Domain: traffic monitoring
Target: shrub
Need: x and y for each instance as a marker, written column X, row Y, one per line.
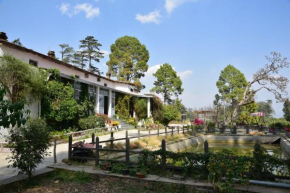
column 91, row 122
column 31, row 144
column 140, row 108
column 115, row 123
column 170, row 113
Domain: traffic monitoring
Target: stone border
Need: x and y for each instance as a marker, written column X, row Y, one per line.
column 151, row 179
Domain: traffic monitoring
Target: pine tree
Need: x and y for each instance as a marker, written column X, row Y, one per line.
column 66, row 53
column 91, row 51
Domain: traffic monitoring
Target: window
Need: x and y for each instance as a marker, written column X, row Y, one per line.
column 92, row 92
column 99, row 79
column 32, row 62
column 77, row 87
column 105, row 84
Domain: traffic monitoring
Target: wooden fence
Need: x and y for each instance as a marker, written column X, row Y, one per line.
column 95, row 144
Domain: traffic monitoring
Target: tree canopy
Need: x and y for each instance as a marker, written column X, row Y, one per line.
column 167, row 83
column 128, row 60
column 266, row 107
column 21, row 79
column 91, row 51
column 66, row 53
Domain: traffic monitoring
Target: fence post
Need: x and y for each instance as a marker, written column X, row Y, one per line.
column 171, row 131
column 97, row 152
column 158, row 131
column 178, row 129
column 182, row 129
column 93, row 138
column 126, row 135
column 54, row 150
column 112, row 141
column 163, row 161
column 69, row 147
column 127, row 150
column 139, row 133
column 165, row 130
column 149, row 132
column 206, row 147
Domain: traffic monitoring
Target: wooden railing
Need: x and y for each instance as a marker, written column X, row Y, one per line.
column 95, row 144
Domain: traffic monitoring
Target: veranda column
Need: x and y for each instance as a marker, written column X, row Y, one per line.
column 110, row 104
column 97, row 107
column 148, row 108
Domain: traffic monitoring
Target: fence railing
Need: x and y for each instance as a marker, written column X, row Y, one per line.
column 95, row 144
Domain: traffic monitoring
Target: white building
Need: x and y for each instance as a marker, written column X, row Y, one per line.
column 102, row 88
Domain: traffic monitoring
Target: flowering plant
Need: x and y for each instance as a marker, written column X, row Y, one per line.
column 198, row 122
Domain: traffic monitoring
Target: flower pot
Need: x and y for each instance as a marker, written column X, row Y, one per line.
column 140, row 175
column 125, row 171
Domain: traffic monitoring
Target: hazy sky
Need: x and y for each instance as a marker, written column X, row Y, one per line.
column 198, row 38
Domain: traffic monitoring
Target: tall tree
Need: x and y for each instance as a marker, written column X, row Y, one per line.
column 128, row 60
column 218, row 107
column 167, row 83
column 267, row 78
column 231, row 85
column 286, row 110
column 266, row 107
column 66, row 53
column 91, row 51
column 17, row 42
column 79, row 59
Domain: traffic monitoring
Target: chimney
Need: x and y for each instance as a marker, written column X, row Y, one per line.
column 108, row 74
column 51, row 54
column 3, row 36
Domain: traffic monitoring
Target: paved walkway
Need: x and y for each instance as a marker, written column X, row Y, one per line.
column 62, row 152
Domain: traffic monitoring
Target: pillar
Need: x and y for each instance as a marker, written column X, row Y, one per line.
column 97, row 107
column 110, row 104
column 148, row 108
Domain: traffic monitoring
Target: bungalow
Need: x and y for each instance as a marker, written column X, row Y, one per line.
column 103, row 89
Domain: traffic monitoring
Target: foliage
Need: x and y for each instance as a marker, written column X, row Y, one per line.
column 210, row 124
column 140, row 108
column 286, row 110
column 224, row 168
column 245, row 114
column 59, row 106
column 85, row 108
column 231, row 86
column 157, row 109
column 91, row 122
column 79, row 59
column 266, row 107
column 30, row 145
column 122, row 106
column 17, row 42
column 178, row 103
column 198, row 122
column 91, row 51
column 128, row 60
column 167, row 83
column 66, row 53
column 171, row 113
column 266, row 78
column 21, row 78
column 218, row 107
column 11, row 113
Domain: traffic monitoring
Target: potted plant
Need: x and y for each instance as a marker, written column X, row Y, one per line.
column 141, row 174
column 211, row 127
column 105, row 165
column 198, row 124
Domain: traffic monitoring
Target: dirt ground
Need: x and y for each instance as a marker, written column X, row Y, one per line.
column 70, row 182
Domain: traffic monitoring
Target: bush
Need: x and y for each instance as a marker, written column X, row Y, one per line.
column 140, row 108
column 91, row 122
column 115, row 123
column 30, row 145
column 170, row 113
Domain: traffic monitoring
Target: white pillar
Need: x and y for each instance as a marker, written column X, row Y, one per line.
column 97, row 107
column 110, row 104
column 148, row 108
